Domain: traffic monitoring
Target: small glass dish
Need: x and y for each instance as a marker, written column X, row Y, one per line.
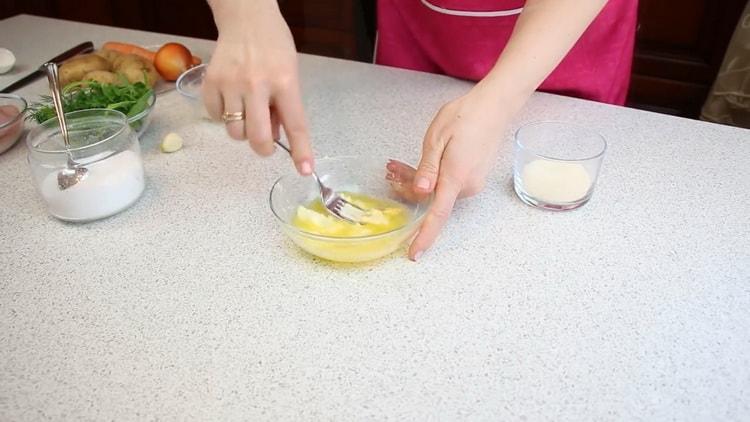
column 104, row 144
column 556, row 164
column 12, row 110
column 190, row 81
column 363, row 175
column 189, row 86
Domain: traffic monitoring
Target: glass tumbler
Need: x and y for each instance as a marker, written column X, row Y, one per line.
column 556, row 164
column 102, row 142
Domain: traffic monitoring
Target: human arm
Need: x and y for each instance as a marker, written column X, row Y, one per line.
column 461, row 144
column 254, row 69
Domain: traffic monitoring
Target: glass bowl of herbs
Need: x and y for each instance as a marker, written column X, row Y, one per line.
column 134, row 100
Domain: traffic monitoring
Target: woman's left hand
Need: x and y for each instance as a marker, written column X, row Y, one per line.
column 458, row 152
column 460, row 145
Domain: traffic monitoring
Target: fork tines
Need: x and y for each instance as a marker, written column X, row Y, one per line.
column 347, row 211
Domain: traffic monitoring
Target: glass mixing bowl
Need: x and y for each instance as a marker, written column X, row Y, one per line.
column 141, row 121
column 363, row 175
column 12, row 109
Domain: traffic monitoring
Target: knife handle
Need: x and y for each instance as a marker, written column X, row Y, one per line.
column 84, row 47
column 31, row 77
column 81, row 48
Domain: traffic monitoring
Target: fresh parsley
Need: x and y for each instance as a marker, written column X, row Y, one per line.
column 129, row 98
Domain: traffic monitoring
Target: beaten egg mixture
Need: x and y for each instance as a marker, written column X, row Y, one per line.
column 382, row 216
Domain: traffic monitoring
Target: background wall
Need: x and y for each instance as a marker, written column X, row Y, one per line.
column 679, row 47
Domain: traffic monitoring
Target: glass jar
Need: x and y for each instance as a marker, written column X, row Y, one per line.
column 102, row 142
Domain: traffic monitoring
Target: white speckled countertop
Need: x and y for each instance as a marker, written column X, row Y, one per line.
column 192, row 305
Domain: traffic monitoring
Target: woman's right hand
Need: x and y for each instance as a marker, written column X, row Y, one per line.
column 254, row 69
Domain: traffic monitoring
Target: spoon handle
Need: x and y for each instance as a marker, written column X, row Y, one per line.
column 54, row 86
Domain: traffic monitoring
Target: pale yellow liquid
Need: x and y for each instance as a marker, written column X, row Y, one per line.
column 383, row 216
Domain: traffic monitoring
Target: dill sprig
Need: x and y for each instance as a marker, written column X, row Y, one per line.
column 129, row 98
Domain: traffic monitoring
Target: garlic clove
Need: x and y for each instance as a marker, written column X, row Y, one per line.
column 7, row 60
column 172, row 142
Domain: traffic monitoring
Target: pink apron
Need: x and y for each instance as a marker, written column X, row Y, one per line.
column 463, row 38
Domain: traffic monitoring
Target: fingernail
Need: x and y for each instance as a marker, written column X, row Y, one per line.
column 423, row 183
column 305, row 167
column 417, row 256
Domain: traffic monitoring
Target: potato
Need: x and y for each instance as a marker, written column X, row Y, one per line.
column 101, row 76
column 74, row 69
column 109, row 55
column 136, row 69
column 119, row 59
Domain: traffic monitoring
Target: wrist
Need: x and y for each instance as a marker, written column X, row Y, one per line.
column 500, row 98
column 234, row 14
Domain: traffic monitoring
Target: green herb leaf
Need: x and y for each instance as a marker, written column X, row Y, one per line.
column 129, row 98
column 140, row 105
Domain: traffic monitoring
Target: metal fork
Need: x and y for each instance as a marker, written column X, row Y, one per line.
column 336, row 204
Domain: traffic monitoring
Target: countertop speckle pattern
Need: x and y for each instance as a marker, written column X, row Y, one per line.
column 192, row 304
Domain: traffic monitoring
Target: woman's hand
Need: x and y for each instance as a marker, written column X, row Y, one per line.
column 459, row 150
column 254, row 70
column 462, row 141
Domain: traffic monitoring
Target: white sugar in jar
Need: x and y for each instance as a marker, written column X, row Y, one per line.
column 103, row 143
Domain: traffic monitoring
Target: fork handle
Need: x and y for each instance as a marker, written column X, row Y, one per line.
column 284, row 147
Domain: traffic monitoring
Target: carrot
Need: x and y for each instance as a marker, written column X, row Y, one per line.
column 126, row 48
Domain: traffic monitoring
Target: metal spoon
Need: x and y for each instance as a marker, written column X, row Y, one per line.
column 73, row 173
column 333, row 201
